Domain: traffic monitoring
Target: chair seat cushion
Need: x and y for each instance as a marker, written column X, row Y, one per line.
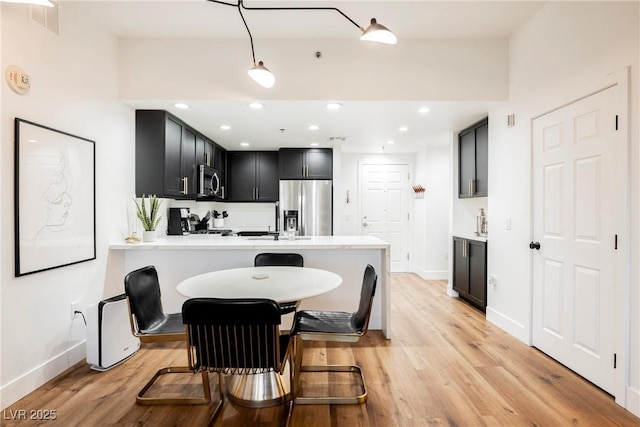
column 336, row 322
column 171, row 324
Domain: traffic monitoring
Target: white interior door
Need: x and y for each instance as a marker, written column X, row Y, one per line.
column 384, row 209
column 575, row 220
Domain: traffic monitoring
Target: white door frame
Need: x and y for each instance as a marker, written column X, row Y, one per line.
column 622, row 331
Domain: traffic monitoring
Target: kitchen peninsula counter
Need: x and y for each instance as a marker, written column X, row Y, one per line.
column 179, row 257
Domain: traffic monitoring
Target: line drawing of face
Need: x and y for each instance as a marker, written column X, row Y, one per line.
column 58, row 199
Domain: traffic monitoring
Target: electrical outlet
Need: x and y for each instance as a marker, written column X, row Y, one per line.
column 492, row 281
column 74, row 308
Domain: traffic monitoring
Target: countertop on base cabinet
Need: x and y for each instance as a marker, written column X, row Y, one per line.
column 179, row 257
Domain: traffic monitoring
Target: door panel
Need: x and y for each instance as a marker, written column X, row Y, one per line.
column 574, row 270
column 384, row 209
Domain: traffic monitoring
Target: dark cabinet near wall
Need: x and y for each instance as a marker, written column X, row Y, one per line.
column 470, row 271
column 165, row 155
column 210, row 154
column 310, row 163
column 252, row 176
column 473, row 160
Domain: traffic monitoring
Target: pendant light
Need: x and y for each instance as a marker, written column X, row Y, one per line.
column 261, row 74
column 378, row 33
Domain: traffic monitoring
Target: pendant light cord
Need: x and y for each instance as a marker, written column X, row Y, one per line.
column 240, row 5
column 253, row 55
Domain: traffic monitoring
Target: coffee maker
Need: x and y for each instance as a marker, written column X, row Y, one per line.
column 178, row 222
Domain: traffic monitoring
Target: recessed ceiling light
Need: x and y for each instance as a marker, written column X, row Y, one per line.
column 245, row 144
column 225, row 127
column 314, row 127
column 334, row 106
column 423, row 110
column 314, row 144
column 256, row 105
column 390, row 141
column 181, row 105
column 403, row 128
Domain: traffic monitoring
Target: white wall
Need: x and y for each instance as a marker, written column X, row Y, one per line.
column 430, row 257
column 411, row 70
column 74, row 89
column 558, row 56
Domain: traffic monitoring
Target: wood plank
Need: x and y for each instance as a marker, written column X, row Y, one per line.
column 445, row 366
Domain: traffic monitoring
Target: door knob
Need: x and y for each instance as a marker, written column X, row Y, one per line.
column 364, row 224
column 534, row 245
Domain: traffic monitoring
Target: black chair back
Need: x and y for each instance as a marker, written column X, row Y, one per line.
column 234, row 335
column 278, row 260
column 360, row 319
column 143, row 290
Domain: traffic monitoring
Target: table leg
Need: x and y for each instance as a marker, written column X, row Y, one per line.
column 259, row 390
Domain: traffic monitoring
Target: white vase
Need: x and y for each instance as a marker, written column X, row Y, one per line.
column 218, row 222
column 149, row 236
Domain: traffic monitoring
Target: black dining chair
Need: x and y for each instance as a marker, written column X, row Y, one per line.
column 278, row 259
column 151, row 324
column 238, row 337
column 318, row 325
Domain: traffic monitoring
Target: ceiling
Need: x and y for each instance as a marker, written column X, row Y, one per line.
column 285, row 123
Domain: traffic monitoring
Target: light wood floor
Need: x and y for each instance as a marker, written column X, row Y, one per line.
column 446, row 366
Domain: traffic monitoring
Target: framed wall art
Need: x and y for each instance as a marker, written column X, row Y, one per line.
column 54, row 198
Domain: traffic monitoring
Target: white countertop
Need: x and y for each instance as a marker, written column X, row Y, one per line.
column 471, row 236
column 214, row 241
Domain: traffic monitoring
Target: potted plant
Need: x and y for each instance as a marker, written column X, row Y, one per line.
column 217, row 221
column 149, row 216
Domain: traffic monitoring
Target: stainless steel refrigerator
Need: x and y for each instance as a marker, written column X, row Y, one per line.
column 306, row 207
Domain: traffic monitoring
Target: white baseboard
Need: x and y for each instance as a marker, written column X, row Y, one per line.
column 508, row 325
column 633, row 401
column 432, row 274
column 28, row 382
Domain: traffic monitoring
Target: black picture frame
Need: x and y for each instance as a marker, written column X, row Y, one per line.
column 54, row 198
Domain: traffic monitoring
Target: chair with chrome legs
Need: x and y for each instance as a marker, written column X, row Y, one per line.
column 317, row 325
column 278, row 259
column 151, row 324
column 238, row 337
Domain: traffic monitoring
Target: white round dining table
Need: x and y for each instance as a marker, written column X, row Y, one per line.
column 280, row 284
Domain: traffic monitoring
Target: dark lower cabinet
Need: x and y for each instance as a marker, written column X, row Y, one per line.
column 470, row 271
column 252, row 176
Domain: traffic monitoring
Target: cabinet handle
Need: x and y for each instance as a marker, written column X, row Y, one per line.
column 257, row 193
column 303, row 171
column 473, row 187
column 206, row 159
column 185, row 185
column 222, row 191
column 306, row 171
column 469, row 193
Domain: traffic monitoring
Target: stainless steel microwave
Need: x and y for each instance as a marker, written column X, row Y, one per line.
column 209, row 182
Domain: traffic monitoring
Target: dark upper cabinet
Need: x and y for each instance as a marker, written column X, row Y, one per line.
column 470, row 271
column 252, row 176
column 168, row 153
column 300, row 163
column 165, row 155
column 473, row 160
column 208, row 153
